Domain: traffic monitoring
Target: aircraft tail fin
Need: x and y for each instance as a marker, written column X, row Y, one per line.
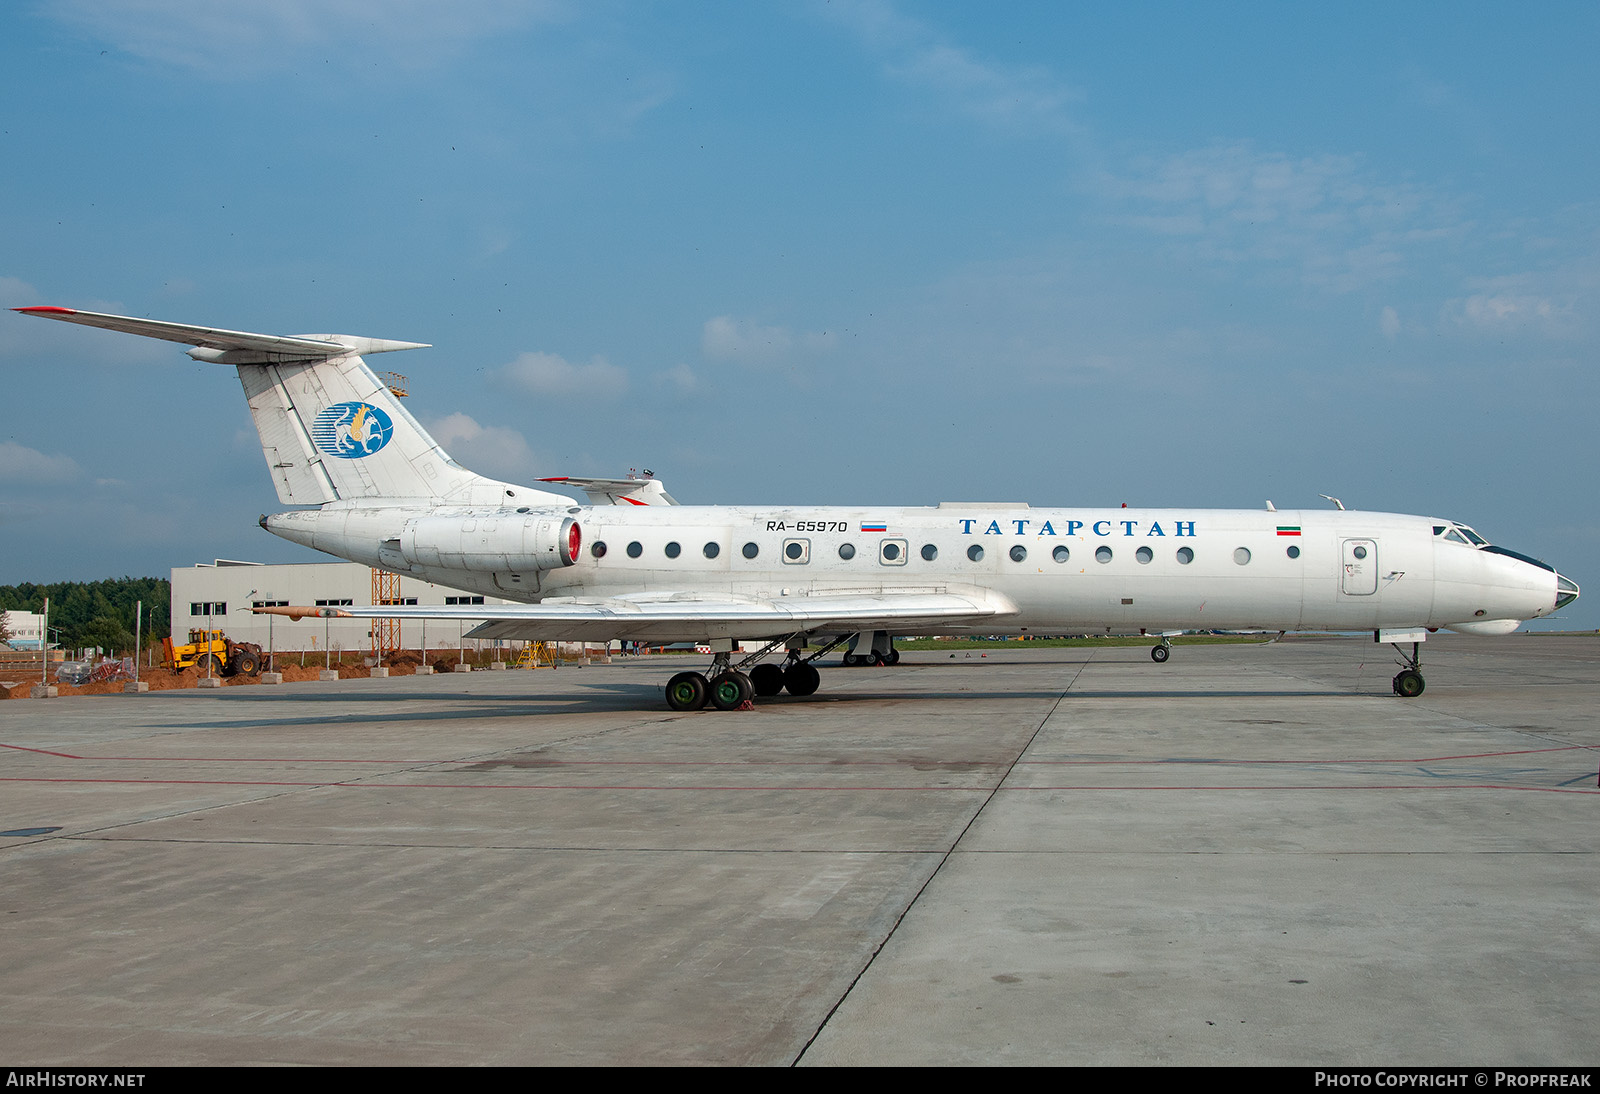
column 330, row 429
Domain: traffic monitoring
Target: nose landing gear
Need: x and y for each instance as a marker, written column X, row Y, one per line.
column 1408, row 682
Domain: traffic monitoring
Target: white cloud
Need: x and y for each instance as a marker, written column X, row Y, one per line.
column 1325, row 214
column 23, row 465
column 680, row 376
column 1009, row 97
column 1551, row 303
column 1389, row 322
column 549, row 375
column 726, row 338
column 488, row 449
column 244, row 39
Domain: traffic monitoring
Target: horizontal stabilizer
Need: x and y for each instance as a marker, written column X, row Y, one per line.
column 231, row 347
column 628, row 491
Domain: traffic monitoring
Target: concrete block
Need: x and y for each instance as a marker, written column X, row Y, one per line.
column 134, row 687
column 380, row 671
column 42, row 691
column 497, row 666
column 424, row 670
column 272, row 677
column 327, row 674
column 209, row 682
column 463, row 667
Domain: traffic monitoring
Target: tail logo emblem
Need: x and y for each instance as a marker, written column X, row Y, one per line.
column 352, row 430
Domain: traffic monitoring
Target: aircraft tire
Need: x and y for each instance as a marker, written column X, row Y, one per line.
column 1408, row 684
column 1159, row 654
column 851, row 660
column 893, row 657
column 767, row 679
column 687, row 691
column 801, row 679
column 730, row 689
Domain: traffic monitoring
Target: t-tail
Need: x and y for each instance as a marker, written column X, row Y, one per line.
column 330, row 429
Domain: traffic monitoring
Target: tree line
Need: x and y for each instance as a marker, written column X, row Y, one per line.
column 96, row 613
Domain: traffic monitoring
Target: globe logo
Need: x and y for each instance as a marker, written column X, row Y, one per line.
column 352, row 430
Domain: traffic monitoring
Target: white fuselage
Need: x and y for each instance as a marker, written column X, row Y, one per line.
column 1057, row 570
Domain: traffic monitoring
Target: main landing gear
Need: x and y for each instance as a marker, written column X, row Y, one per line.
column 1408, row 683
column 877, row 649
column 726, row 686
column 1159, row 654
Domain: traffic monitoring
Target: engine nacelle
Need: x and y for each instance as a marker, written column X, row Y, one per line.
column 495, row 544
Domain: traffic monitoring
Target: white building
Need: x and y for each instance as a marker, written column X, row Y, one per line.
column 24, row 628
column 220, row 595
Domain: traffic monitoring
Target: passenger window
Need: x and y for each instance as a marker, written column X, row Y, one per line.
column 1185, row 556
column 1018, row 553
column 1102, row 554
column 635, row 549
column 975, row 553
column 673, row 550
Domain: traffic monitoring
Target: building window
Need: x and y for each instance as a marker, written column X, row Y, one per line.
column 458, row 600
column 345, row 603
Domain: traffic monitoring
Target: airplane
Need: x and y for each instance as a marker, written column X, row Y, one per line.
column 376, row 489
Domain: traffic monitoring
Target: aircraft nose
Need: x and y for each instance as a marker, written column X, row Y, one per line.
column 1566, row 591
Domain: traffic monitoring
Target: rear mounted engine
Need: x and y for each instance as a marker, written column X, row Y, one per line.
column 516, row 544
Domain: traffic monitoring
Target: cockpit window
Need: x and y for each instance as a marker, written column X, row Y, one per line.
column 1456, row 537
column 1467, row 534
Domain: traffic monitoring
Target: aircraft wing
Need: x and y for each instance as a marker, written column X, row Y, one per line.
column 690, row 617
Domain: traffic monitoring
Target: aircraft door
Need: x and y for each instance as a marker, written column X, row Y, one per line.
column 1360, row 577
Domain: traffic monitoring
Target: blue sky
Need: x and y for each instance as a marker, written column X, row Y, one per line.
column 884, row 253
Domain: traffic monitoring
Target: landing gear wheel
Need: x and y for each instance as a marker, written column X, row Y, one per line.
column 1159, row 654
column 851, row 660
column 1408, row 684
column 893, row 658
column 767, row 679
column 730, row 689
column 801, row 679
column 687, row 691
